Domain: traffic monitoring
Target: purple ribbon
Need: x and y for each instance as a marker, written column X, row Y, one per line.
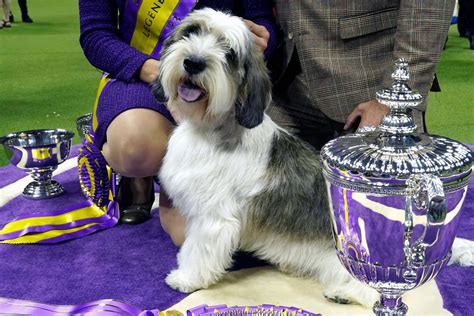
column 113, row 307
column 58, row 212
column 107, row 220
column 112, row 217
column 101, row 307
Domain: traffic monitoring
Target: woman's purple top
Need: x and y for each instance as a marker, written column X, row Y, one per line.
column 104, row 48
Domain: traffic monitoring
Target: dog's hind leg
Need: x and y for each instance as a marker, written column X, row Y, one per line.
column 206, row 253
column 317, row 260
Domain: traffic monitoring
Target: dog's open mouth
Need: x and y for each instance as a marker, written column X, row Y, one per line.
column 190, row 92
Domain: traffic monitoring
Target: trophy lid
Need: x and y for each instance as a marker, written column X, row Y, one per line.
column 394, row 149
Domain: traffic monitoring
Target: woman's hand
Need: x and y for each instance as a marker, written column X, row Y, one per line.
column 261, row 34
column 149, row 70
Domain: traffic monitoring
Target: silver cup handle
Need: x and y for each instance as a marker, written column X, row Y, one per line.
column 426, row 191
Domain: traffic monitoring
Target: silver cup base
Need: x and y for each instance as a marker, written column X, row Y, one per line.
column 380, row 310
column 43, row 190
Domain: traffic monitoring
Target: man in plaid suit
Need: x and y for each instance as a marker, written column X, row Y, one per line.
column 338, row 53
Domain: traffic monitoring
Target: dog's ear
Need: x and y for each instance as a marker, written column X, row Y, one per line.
column 255, row 91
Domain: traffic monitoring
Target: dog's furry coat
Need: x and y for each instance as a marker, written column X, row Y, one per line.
column 240, row 180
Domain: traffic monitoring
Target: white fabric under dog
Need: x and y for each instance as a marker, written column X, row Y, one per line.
column 266, row 285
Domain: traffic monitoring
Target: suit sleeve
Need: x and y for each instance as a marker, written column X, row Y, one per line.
column 101, row 42
column 421, row 33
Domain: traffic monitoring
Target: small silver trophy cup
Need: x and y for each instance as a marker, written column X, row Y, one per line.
column 39, row 152
column 395, row 199
column 84, row 125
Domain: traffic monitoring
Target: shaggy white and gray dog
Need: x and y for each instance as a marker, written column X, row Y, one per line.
column 240, row 180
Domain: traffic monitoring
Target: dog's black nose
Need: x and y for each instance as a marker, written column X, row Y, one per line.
column 194, row 65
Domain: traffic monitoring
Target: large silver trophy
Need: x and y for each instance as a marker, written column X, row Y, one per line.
column 395, row 198
column 39, row 152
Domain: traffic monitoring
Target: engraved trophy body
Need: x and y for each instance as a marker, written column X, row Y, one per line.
column 395, row 197
column 39, row 152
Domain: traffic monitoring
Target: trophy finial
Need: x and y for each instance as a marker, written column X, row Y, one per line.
column 399, row 97
column 401, row 70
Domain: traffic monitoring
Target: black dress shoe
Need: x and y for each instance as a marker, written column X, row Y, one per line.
column 26, row 19
column 132, row 212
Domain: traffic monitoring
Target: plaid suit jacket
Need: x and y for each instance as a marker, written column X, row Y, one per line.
column 347, row 48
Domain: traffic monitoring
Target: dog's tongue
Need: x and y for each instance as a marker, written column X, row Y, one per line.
column 189, row 92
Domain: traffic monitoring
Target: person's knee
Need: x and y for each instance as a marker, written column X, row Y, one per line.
column 136, row 155
column 136, row 142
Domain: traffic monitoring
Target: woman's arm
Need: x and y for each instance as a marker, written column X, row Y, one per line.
column 101, row 42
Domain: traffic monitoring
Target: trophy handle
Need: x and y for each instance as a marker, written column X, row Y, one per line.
column 426, row 191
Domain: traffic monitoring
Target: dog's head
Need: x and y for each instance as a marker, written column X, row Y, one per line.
column 211, row 70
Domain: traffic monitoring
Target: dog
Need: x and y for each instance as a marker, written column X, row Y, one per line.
column 241, row 181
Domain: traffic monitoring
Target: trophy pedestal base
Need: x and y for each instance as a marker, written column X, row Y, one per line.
column 383, row 310
column 43, row 190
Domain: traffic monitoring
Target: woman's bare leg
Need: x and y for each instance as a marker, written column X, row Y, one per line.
column 136, row 144
column 172, row 221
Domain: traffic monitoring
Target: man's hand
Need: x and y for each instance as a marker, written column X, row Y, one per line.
column 261, row 34
column 149, row 70
column 371, row 113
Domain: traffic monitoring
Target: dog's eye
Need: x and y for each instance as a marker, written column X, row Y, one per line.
column 192, row 29
column 231, row 56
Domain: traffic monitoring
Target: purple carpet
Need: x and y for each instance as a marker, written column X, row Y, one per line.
column 129, row 263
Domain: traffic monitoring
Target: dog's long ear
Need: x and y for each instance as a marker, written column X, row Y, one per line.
column 255, row 92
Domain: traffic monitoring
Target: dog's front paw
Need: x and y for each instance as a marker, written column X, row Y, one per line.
column 183, row 282
column 354, row 292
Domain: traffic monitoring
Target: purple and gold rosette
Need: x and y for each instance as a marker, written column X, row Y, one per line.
column 95, row 175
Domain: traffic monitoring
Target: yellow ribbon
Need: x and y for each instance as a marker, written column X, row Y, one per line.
column 103, row 81
column 75, row 215
column 151, row 19
column 35, row 238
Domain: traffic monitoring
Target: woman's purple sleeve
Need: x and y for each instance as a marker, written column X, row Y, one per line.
column 101, row 41
column 261, row 12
